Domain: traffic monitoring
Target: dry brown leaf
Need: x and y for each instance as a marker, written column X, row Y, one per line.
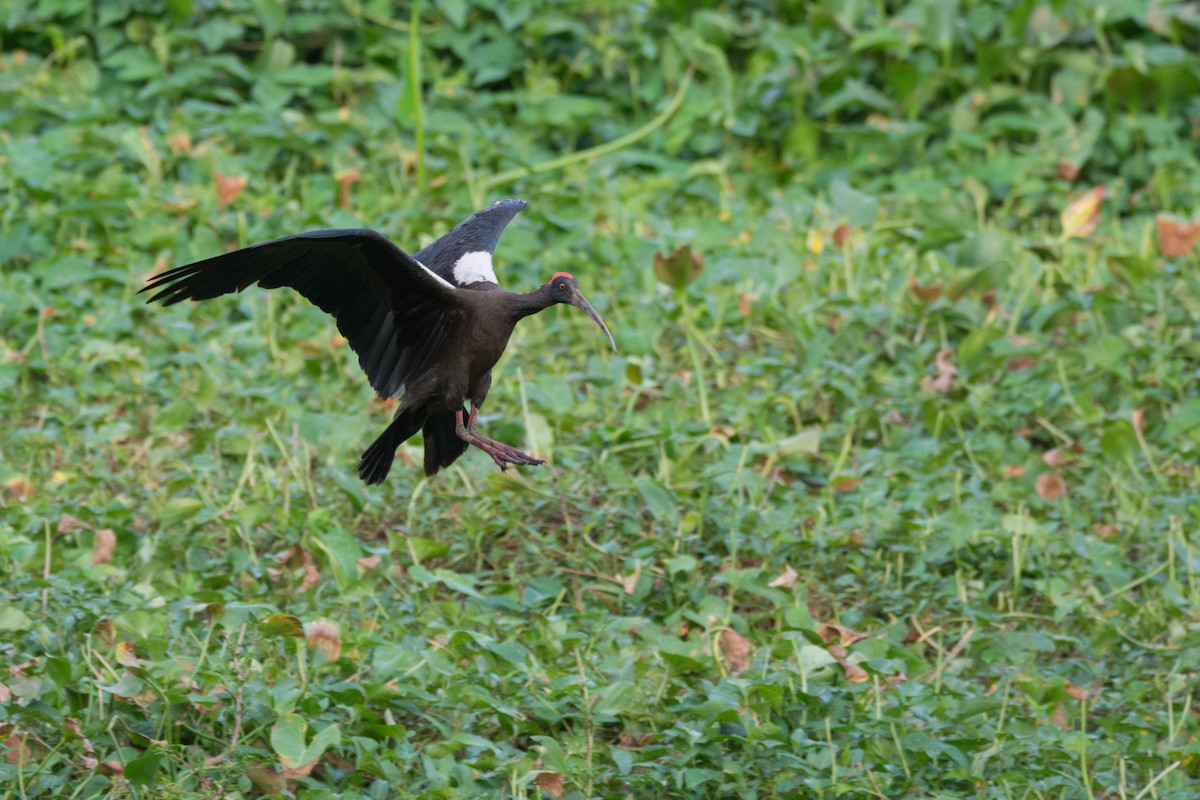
column 345, row 179
column 1138, row 418
column 324, row 636
column 1058, row 718
column 1014, row 471
column 5, row 693
column 1050, row 486
column 1081, row 215
column 267, row 780
column 551, row 783
column 1077, row 692
column 830, row 631
column 1104, row 530
column 104, row 631
column 19, row 751
column 1066, row 170
column 104, row 546
column 69, row 524
column 629, row 582
column 112, row 768
column 180, row 144
column 786, row 580
column 744, row 303
column 311, row 576
column 924, row 294
column 845, row 483
column 1176, row 239
column 19, row 488
column 1054, row 459
column 682, row 266
column 228, row 188
column 289, row 772
column 853, row 672
column 127, row 655
column 945, row 373
column 736, row 649
column 369, row 562
column 1018, row 363
column 841, row 235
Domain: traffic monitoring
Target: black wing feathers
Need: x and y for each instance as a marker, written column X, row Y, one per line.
column 391, row 309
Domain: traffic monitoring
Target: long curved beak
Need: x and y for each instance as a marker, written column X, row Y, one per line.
column 579, row 301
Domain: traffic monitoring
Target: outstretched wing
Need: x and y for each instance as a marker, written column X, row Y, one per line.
column 464, row 255
column 394, row 311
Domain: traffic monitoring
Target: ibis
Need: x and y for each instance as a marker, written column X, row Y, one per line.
column 427, row 328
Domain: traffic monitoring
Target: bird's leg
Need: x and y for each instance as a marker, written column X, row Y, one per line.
column 501, row 453
column 517, row 455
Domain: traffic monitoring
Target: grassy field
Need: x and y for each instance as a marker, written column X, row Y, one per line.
column 890, row 492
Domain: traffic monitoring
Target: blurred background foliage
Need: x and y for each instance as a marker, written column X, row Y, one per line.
column 907, row 306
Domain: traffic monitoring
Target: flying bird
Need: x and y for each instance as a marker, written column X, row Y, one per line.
column 427, row 328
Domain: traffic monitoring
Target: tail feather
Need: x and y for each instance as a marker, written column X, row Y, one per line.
column 442, row 445
column 377, row 459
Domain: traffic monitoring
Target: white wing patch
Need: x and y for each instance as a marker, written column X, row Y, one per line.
column 435, row 276
column 474, row 267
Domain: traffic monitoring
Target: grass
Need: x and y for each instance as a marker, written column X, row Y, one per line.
column 898, row 399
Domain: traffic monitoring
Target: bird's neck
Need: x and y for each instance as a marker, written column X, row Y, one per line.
column 531, row 302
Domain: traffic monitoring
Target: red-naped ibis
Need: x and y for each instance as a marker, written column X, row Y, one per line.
column 427, row 328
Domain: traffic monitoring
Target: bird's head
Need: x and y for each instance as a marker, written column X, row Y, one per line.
column 565, row 289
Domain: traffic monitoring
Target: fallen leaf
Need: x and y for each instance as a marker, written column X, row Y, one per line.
column 736, row 649
column 69, row 524
column 845, row 483
column 104, row 546
column 679, row 268
column 20, row 488
column 841, row 235
column 127, row 655
column 830, row 631
column 323, row 636
column 1077, row 692
column 786, row 580
column 345, row 179
column 945, row 373
column 629, row 582
column 5, row 693
column 1104, row 529
column 1018, row 363
column 287, row 771
column 112, row 768
column 1066, row 170
column 228, row 188
column 1081, row 215
column 104, row 631
column 924, row 294
column 1014, row 471
column 1176, row 239
column 1138, row 418
column 1054, row 459
column 1058, row 718
column 551, row 783
column 853, row 672
column 180, row 144
column 369, row 562
column 1050, row 486
column 267, row 780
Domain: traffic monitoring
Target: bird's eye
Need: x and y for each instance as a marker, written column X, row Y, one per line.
column 562, row 287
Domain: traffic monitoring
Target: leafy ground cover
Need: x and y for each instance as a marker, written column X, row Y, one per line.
column 890, row 491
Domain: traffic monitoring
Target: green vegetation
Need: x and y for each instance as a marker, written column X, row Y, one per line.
column 897, row 369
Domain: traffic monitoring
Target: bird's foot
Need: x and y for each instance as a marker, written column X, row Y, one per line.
column 504, row 454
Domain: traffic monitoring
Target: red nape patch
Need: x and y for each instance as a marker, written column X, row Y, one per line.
column 558, row 275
